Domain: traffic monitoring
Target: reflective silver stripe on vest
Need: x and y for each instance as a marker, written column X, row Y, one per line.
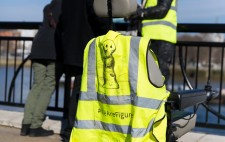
column 121, row 100
column 135, row 132
column 166, row 23
column 91, row 68
column 133, row 63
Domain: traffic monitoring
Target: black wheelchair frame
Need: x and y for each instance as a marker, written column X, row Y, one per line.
column 181, row 122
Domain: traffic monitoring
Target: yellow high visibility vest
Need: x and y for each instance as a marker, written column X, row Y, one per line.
column 161, row 29
column 122, row 92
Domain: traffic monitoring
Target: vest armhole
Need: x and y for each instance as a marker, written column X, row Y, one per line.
column 154, row 73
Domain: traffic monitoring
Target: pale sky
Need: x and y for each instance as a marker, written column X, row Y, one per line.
column 201, row 11
column 189, row 11
column 22, row 10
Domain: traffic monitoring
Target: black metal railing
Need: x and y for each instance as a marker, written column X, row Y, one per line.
column 203, row 60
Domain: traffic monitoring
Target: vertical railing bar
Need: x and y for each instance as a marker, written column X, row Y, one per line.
column 197, row 69
column 221, row 83
column 6, row 70
column 209, row 76
column 209, row 66
column 173, row 69
column 15, row 63
column 57, row 94
column 0, row 50
column 185, row 64
column 22, row 74
column 196, row 72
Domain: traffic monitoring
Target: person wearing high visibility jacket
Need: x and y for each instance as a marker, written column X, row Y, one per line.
column 123, row 94
column 159, row 22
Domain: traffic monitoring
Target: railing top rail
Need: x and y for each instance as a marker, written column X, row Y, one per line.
column 188, row 27
column 19, row 25
column 202, row 28
column 181, row 27
column 201, row 43
column 15, row 38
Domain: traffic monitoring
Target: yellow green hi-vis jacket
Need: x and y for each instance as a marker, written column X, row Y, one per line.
column 123, row 95
column 161, row 29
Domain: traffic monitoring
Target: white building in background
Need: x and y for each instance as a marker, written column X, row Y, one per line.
column 216, row 37
column 27, row 33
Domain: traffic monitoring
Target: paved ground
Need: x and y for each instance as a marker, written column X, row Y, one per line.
column 10, row 123
column 12, row 134
column 201, row 137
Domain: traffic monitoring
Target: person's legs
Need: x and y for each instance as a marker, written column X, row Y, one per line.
column 31, row 102
column 73, row 102
column 45, row 95
column 43, row 100
column 39, row 74
column 72, row 108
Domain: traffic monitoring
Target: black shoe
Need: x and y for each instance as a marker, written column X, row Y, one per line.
column 40, row 132
column 25, row 129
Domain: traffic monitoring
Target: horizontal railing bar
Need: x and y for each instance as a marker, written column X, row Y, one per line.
column 181, row 27
column 202, row 28
column 201, row 43
column 16, row 38
column 19, row 25
column 187, row 28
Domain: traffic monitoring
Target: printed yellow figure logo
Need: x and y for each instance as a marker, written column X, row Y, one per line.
column 109, row 75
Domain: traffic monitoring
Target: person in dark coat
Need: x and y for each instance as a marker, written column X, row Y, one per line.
column 43, row 58
column 77, row 25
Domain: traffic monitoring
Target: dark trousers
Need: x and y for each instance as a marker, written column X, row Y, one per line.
column 73, row 102
column 72, row 97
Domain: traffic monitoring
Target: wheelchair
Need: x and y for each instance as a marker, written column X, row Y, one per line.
column 179, row 121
